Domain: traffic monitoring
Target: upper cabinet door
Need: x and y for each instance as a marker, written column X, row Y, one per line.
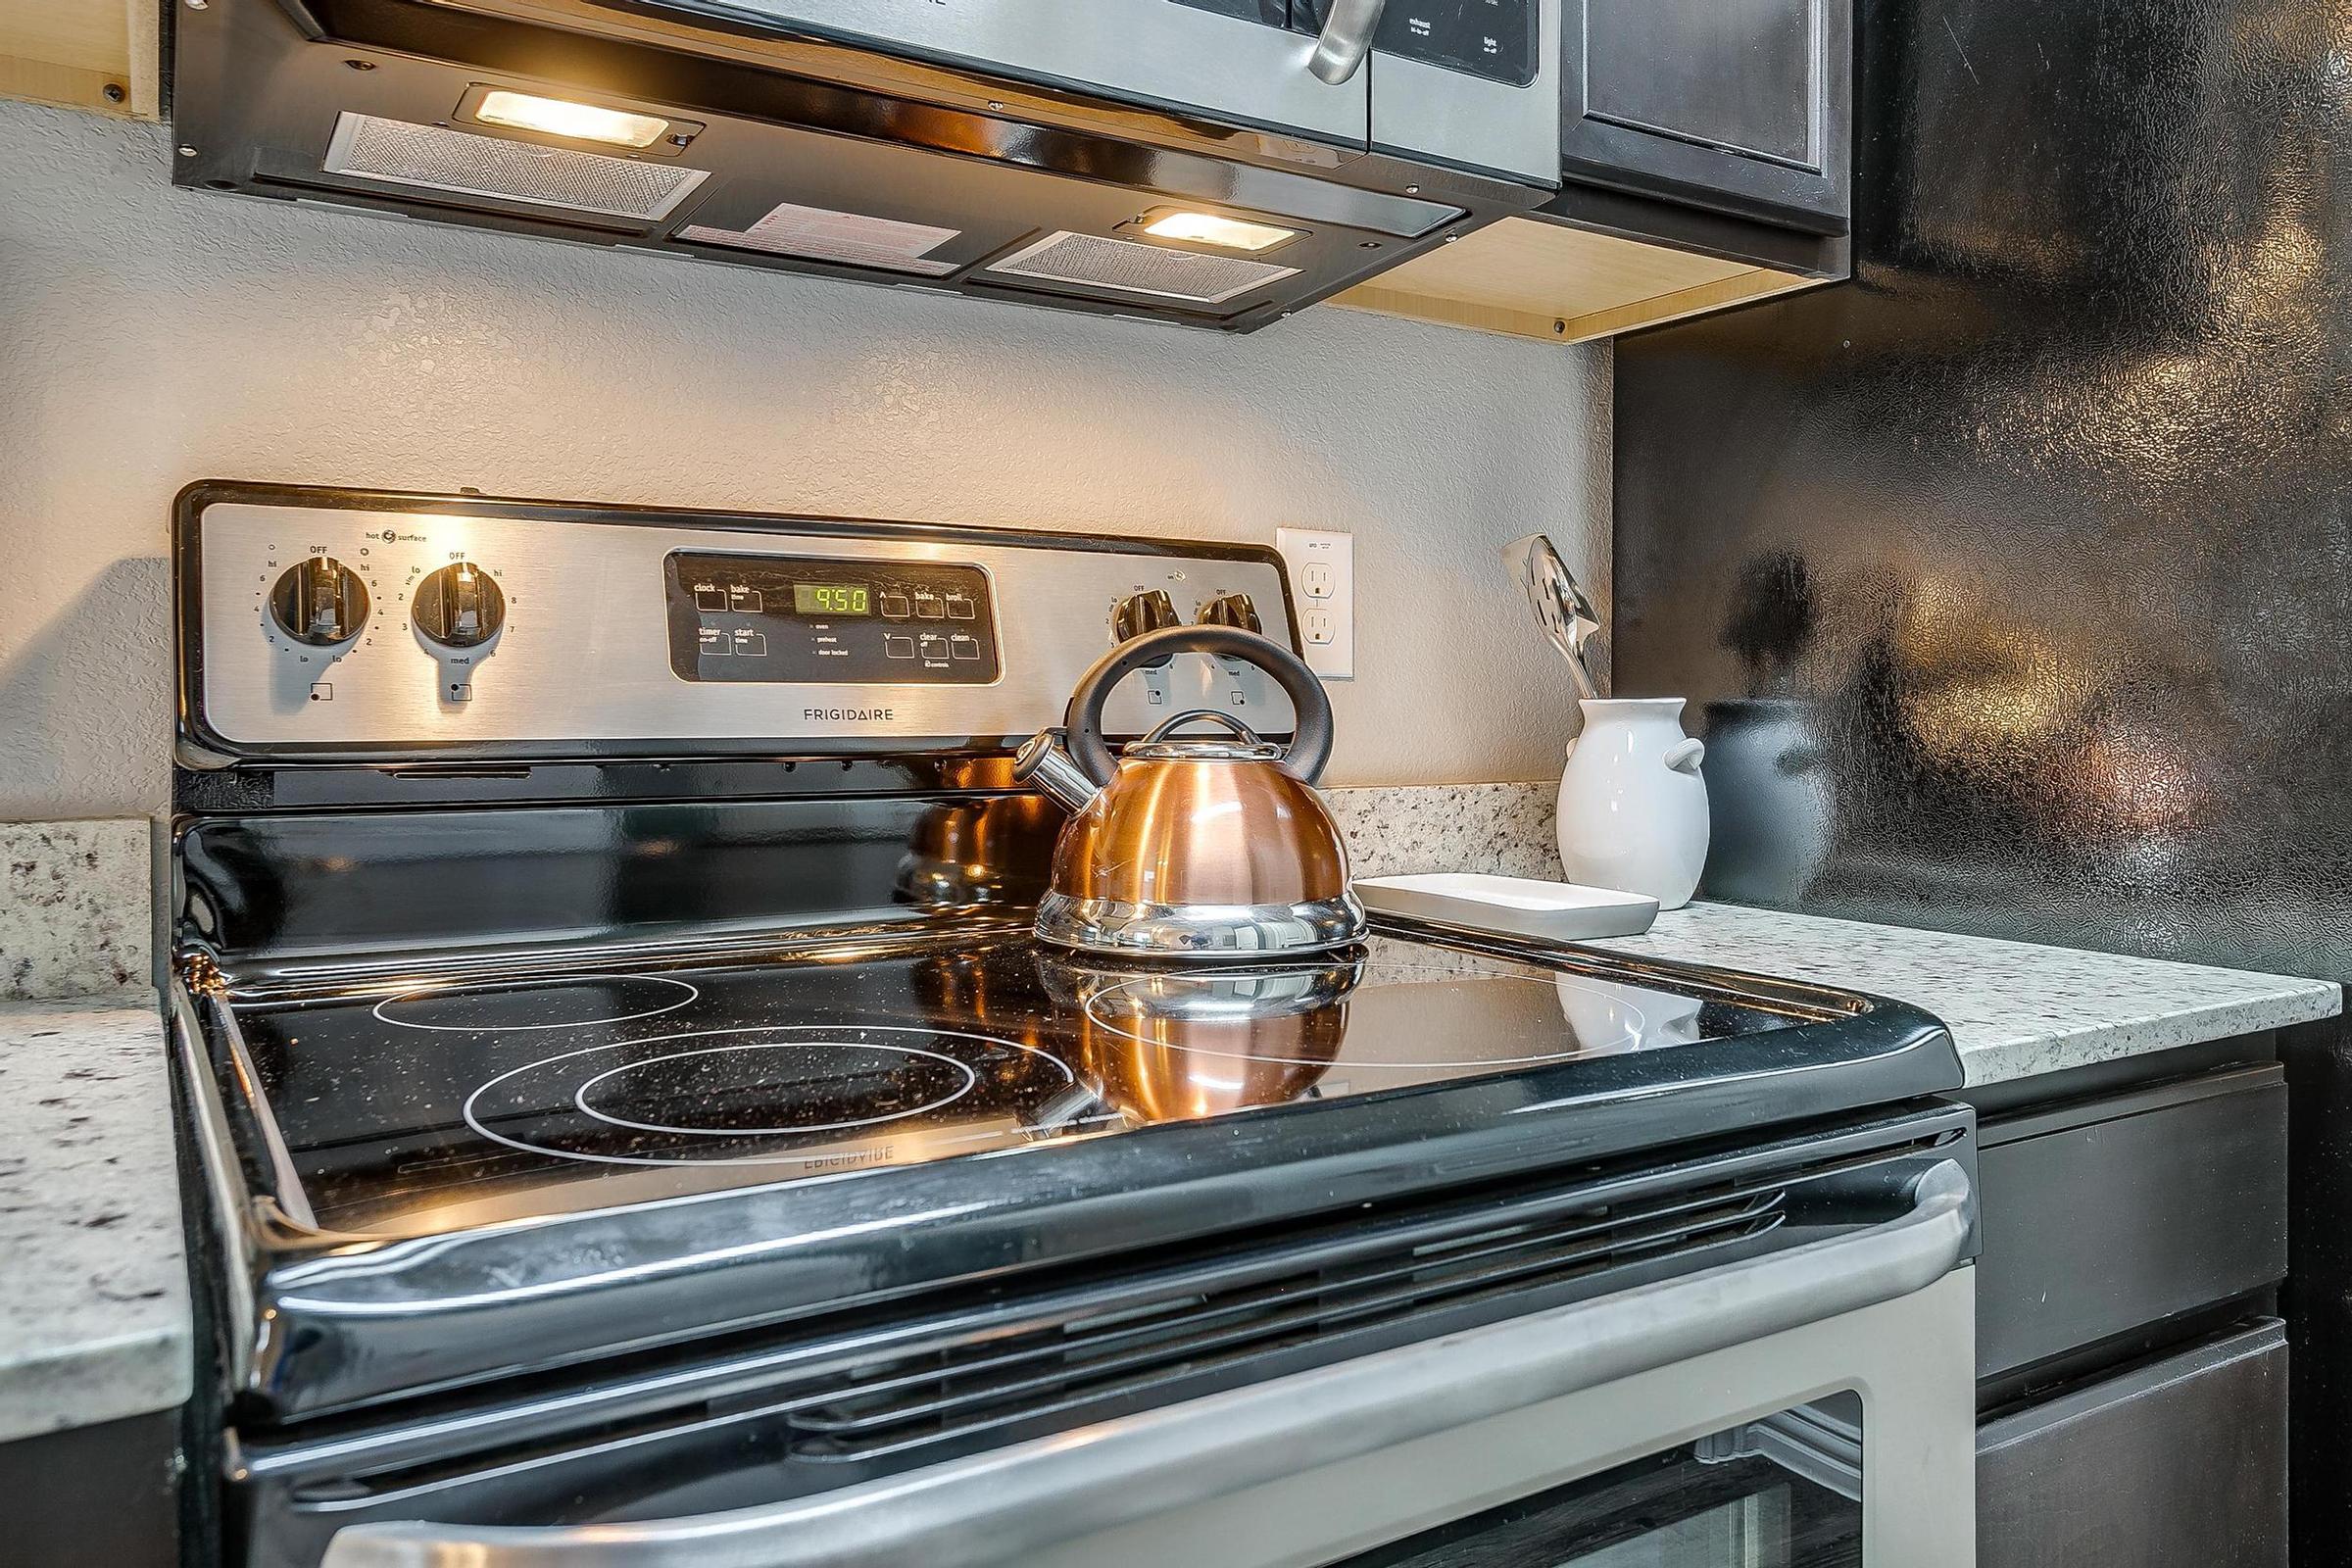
column 1744, row 105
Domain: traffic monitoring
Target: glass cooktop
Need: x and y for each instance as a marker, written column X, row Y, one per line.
column 453, row 1105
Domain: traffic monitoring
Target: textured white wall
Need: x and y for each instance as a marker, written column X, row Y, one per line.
column 150, row 337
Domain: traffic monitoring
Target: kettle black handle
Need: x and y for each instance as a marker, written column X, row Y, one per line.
column 1310, row 740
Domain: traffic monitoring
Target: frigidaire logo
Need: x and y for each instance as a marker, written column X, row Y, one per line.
column 841, row 715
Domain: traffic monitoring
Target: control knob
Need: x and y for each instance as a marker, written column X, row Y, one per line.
column 459, row 606
column 1231, row 609
column 1137, row 614
column 320, row 602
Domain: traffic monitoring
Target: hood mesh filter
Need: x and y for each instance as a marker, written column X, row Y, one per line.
column 1132, row 269
column 460, row 162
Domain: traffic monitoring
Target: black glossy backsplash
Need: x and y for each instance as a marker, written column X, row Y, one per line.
column 2015, row 577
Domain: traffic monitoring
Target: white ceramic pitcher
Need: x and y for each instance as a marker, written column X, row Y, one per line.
column 1633, row 806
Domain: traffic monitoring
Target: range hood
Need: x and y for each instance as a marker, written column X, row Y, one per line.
column 1211, row 163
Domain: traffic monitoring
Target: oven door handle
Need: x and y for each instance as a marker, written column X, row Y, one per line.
column 1012, row 1504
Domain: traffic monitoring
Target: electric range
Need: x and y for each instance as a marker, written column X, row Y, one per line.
column 627, row 1084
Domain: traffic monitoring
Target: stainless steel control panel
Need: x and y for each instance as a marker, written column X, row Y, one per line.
column 333, row 629
column 848, row 622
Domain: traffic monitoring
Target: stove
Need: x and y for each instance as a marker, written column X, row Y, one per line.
column 611, row 1029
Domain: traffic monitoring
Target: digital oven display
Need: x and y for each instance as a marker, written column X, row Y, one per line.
column 832, row 599
column 797, row 621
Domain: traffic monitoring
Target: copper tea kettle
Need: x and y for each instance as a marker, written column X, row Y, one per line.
column 1197, row 847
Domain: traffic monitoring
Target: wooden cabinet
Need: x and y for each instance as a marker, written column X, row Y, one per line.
column 100, row 1496
column 1742, row 105
column 2132, row 1381
column 1705, row 150
column 1566, row 283
column 2106, row 1219
column 82, row 54
column 2176, row 1462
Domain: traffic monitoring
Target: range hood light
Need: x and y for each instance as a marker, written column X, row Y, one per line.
column 558, row 117
column 1206, row 228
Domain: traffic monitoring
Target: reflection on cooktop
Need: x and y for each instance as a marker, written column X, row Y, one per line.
column 1181, row 1044
column 427, row 1107
column 567, row 1004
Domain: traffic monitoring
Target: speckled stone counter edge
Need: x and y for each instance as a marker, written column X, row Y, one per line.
column 2015, row 1010
column 94, row 1312
column 75, row 909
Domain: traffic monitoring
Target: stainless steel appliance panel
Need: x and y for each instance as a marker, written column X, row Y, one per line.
column 1307, row 1470
column 1764, row 1494
column 1208, row 58
column 1160, row 53
column 585, row 654
column 1419, row 107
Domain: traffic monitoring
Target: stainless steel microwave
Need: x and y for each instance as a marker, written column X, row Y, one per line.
column 1216, row 163
column 1468, row 83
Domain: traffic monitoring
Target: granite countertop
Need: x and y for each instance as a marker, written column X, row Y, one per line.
column 94, row 1317
column 94, row 1306
column 2015, row 1010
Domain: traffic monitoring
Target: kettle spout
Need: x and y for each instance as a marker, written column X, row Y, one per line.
column 1044, row 760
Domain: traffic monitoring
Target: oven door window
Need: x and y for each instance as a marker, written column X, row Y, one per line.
column 1784, row 1492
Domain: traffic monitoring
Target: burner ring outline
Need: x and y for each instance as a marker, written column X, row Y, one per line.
column 474, row 1120
column 493, row 987
column 1640, row 1021
column 580, row 1097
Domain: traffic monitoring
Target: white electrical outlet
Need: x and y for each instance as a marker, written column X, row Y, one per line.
column 1322, row 569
